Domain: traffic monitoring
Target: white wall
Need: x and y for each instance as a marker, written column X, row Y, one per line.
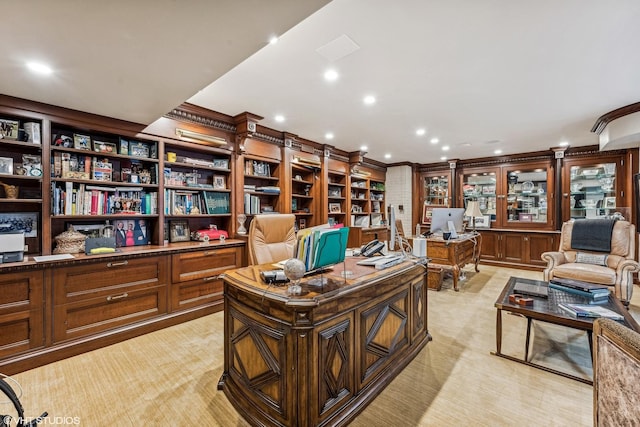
column 398, row 186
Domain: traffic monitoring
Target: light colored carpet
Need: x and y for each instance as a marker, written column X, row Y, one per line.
column 169, row 377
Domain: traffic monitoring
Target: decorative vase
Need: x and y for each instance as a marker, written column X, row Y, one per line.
column 241, row 228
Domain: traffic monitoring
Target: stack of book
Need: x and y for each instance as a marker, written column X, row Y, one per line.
column 577, row 287
column 587, row 310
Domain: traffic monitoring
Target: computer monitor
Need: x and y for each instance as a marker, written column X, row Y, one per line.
column 440, row 218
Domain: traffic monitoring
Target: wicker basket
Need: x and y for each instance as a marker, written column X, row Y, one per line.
column 69, row 242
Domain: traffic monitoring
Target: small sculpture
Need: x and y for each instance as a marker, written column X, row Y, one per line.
column 10, row 191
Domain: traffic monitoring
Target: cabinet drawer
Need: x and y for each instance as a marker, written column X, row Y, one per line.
column 108, row 278
column 196, row 276
column 190, row 266
column 100, row 313
column 21, row 312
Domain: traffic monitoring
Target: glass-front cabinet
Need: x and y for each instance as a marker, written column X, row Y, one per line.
column 435, row 194
column 593, row 189
column 510, row 196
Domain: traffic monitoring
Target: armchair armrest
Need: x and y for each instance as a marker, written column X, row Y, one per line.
column 624, row 278
column 553, row 259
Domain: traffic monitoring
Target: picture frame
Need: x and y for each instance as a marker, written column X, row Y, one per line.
column 219, row 182
column 20, row 221
column 105, row 147
column 6, row 166
column 9, row 129
column 483, row 221
column 334, row 208
column 221, row 163
column 124, row 147
column 179, row 231
column 427, row 211
column 609, row 203
column 81, row 142
column 138, row 149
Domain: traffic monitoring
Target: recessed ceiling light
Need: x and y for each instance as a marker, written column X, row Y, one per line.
column 331, row 75
column 434, row 140
column 279, row 118
column 387, row 156
column 445, row 148
column 273, row 40
column 39, row 67
column 328, row 135
column 443, row 158
column 363, row 148
column 563, row 143
column 497, row 152
column 421, row 131
column 369, row 100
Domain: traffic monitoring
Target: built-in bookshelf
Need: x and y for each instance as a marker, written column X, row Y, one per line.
column 302, row 186
column 261, row 186
column 336, row 197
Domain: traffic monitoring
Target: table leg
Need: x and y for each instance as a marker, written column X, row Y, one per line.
column 590, row 338
column 456, row 275
column 499, row 332
column 526, row 345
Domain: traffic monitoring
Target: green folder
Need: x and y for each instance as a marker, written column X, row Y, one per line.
column 330, row 247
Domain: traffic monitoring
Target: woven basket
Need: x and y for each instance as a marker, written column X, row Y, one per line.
column 69, row 242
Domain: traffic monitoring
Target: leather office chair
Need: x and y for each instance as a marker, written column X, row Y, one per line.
column 272, row 238
column 570, row 263
column 616, row 386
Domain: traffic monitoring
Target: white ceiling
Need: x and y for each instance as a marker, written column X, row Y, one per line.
column 478, row 74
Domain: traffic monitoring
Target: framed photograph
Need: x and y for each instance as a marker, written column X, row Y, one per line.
column 81, row 142
column 6, row 166
column 9, row 129
column 27, row 222
column 221, row 163
column 489, row 189
column 609, row 202
column 427, row 210
column 334, row 192
column 124, row 147
column 179, row 231
column 138, row 149
column 482, row 221
column 219, row 182
column 105, row 147
column 334, row 207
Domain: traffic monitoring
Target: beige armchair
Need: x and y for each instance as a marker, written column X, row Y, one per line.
column 272, row 238
column 617, row 266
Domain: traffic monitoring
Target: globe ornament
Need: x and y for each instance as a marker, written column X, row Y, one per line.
column 294, row 269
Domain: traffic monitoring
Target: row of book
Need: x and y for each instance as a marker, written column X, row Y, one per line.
column 186, row 202
column 577, row 287
column 81, row 199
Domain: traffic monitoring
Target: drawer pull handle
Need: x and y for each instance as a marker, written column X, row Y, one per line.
column 117, row 297
column 117, row 264
column 207, row 253
column 208, row 279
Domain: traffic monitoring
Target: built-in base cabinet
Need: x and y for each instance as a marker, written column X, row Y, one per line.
column 21, row 312
column 519, row 249
column 68, row 308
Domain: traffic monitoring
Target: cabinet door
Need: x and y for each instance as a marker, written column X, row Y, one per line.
column 593, row 188
column 538, row 244
column 514, row 247
column 21, row 312
column 490, row 245
column 484, row 186
column 527, row 196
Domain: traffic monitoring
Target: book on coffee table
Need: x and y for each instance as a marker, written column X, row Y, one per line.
column 587, row 310
column 580, row 285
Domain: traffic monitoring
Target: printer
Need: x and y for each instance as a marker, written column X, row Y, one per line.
column 11, row 246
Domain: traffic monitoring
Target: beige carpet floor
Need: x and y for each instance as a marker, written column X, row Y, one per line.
column 169, row 377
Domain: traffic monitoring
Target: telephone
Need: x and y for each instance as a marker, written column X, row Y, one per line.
column 372, row 248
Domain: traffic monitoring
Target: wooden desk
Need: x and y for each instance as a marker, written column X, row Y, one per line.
column 455, row 253
column 319, row 358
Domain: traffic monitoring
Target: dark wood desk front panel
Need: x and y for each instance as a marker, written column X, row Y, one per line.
column 320, row 357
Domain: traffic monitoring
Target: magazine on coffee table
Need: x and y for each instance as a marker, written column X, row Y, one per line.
column 588, row 310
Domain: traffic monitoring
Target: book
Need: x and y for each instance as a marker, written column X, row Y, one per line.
column 592, row 295
column 580, row 285
column 593, row 311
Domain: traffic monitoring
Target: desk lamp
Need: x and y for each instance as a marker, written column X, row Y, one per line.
column 473, row 211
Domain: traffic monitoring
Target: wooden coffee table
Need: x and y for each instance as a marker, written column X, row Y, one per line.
column 547, row 310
